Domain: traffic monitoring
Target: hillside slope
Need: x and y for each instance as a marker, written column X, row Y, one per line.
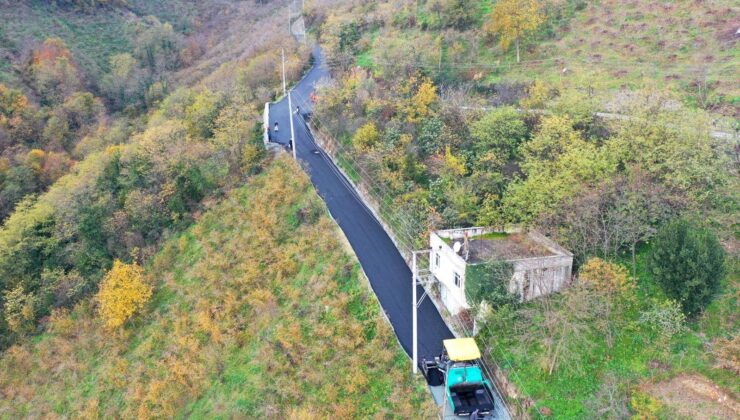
column 602, row 46
column 258, row 311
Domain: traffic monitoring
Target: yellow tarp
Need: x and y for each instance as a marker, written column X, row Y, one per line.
column 462, row 349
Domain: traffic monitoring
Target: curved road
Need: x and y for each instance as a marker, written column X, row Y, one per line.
column 386, row 269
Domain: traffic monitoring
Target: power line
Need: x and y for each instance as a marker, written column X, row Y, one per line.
column 553, row 61
column 385, row 199
column 404, row 224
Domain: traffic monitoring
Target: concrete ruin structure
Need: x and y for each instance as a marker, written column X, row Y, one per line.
column 539, row 266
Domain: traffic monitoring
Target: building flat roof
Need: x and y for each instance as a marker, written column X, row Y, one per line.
column 486, row 245
column 512, row 246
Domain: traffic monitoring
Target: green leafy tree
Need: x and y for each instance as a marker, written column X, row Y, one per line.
column 157, row 45
column 200, row 116
column 558, row 164
column 124, row 84
column 498, row 134
column 458, row 14
column 688, row 263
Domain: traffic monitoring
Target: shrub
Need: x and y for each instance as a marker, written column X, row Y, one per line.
column 688, row 263
column 644, row 406
column 19, row 311
column 365, row 137
column 611, row 292
column 123, row 291
column 605, row 276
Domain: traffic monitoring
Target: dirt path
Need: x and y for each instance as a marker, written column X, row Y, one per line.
column 696, row 397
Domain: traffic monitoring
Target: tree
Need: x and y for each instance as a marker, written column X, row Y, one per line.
column 618, row 212
column 54, row 72
column 498, row 134
column 558, row 164
column 124, row 84
column 157, row 45
column 673, row 145
column 18, row 310
column 458, row 14
column 513, row 19
column 123, row 291
column 688, row 263
column 612, row 290
column 419, row 105
column 200, row 116
column 365, row 137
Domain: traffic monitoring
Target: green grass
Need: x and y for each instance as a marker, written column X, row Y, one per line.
column 492, row 235
column 635, row 356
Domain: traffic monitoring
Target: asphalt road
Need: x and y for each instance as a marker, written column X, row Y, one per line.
column 387, row 271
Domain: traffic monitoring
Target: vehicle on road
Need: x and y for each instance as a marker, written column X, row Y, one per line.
column 458, row 370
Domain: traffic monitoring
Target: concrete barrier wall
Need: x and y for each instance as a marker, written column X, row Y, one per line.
column 266, row 124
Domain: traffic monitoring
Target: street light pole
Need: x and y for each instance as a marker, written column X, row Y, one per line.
column 282, row 52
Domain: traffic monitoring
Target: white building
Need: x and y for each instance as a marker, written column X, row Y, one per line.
column 540, row 266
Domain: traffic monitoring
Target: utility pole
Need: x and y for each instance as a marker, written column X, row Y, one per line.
column 292, row 133
column 416, row 302
column 283, row 54
column 415, row 358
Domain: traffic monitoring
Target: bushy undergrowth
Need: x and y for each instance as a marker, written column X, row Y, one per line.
column 258, row 311
column 602, row 354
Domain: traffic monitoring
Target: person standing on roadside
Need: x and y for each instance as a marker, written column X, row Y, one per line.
column 276, row 127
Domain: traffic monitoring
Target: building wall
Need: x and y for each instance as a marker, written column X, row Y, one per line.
column 444, row 264
column 533, row 277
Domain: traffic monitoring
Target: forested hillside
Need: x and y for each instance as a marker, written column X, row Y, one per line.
column 600, row 132
column 78, row 76
column 139, row 180
column 257, row 311
column 155, row 261
column 141, row 279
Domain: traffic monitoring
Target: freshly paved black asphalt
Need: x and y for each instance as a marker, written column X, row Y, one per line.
column 388, row 273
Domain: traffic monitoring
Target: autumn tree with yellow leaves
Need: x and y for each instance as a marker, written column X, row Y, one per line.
column 122, row 293
column 513, row 19
column 612, row 290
